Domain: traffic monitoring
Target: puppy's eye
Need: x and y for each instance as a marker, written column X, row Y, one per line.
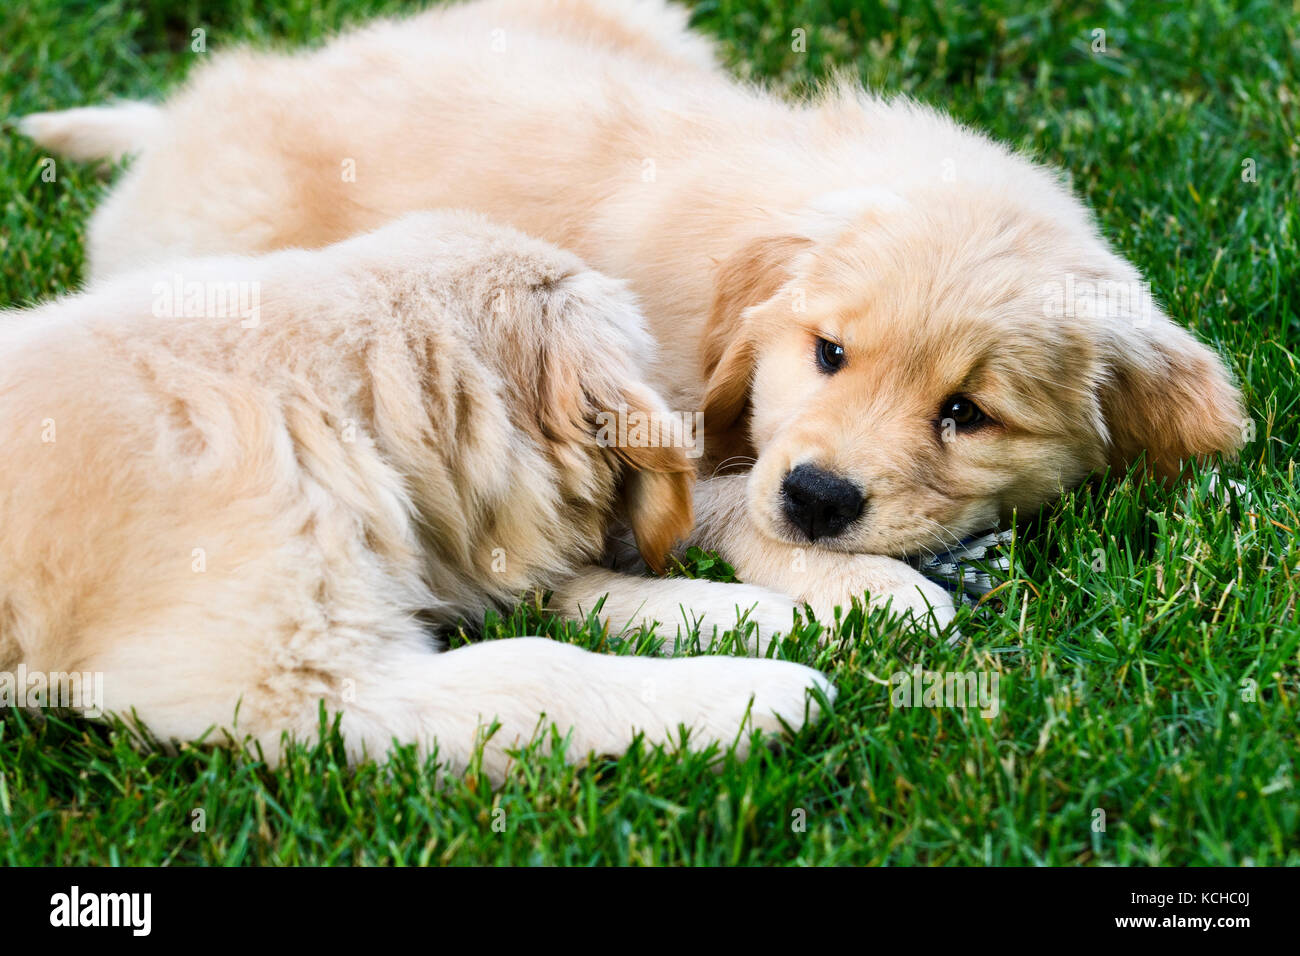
column 830, row 356
column 962, row 412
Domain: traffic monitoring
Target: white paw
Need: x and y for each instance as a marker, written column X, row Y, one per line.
column 726, row 698
column 675, row 605
column 921, row 598
column 784, row 696
column 888, row 581
column 717, row 607
column 770, row 613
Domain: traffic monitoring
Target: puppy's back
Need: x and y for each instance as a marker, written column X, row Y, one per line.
column 415, row 402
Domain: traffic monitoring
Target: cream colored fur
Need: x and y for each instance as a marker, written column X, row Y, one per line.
column 749, row 227
column 236, row 512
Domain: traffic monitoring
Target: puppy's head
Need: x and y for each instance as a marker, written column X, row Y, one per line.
column 604, row 425
column 908, row 369
column 541, row 353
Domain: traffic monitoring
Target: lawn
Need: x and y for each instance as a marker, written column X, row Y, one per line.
column 1145, row 642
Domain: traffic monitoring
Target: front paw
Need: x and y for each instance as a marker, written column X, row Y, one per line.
column 756, row 612
column 770, row 613
column 723, row 699
column 882, row 581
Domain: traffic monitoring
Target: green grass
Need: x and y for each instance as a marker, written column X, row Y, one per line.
column 1146, row 645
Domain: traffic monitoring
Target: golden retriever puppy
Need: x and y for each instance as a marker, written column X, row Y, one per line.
column 901, row 331
column 236, row 487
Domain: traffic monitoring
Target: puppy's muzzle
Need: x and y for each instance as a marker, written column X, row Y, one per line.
column 818, row 503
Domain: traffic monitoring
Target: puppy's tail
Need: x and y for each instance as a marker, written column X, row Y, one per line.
column 96, row 132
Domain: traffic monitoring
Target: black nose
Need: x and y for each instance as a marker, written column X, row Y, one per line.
column 819, row 503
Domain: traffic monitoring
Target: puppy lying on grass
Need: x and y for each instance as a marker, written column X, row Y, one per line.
column 237, row 487
column 898, row 332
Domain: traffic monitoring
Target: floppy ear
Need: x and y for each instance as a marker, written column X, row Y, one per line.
column 657, row 484
column 659, row 508
column 656, row 481
column 747, row 278
column 1169, row 398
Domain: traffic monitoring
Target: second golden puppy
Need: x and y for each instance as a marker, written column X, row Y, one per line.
column 237, row 487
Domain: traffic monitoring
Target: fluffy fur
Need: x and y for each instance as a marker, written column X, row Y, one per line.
column 750, row 228
column 236, row 512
